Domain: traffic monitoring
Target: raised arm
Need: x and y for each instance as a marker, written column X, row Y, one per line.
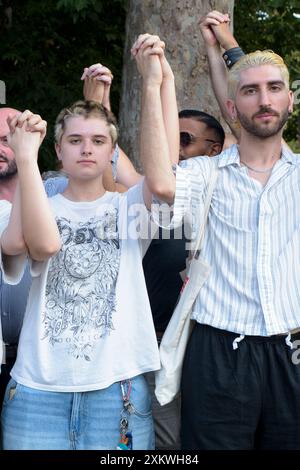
column 216, row 32
column 97, row 83
column 39, row 228
column 169, row 109
column 167, row 93
column 154, row 148
column 12, row 240
column 126, row 173
column 97, row 80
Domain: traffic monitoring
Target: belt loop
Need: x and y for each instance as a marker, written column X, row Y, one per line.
column 236, row 341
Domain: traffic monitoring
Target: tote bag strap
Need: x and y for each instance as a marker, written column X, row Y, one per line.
column 207, row 202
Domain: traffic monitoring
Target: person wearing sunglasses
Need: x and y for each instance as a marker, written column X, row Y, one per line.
column 200, row 134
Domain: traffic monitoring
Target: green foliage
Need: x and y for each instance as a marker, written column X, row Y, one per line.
column 45, row 46
column 275, row 25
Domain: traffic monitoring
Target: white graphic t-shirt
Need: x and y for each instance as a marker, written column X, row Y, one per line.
column 88, row 321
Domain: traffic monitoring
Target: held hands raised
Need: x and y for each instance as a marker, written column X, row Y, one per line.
column 97, row 82
column 27, row 132
column 148, row 51
column 210, row 24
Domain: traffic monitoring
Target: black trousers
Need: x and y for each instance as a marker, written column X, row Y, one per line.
column 248, row 398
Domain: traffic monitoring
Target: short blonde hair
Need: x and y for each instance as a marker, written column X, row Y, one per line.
column 86, row 109
column 255, row 59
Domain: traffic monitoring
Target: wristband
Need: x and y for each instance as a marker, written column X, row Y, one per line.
column 232, row 56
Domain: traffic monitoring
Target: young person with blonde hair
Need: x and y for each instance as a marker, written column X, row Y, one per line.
column 88, row 335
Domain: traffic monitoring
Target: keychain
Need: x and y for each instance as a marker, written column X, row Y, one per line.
column 125, row 442
column 126, row 436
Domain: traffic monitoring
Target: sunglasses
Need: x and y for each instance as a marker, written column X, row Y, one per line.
column 187, row 139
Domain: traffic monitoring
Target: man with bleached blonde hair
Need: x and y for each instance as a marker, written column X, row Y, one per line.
column 258, row 59
column 240, row 386
column 255, row 59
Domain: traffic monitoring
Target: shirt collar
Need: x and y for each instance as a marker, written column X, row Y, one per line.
column 288, row 156
column 231, row 156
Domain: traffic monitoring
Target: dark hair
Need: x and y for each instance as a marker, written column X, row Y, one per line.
column 210, row 121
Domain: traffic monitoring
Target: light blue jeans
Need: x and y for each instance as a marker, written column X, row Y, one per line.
column 35, row 419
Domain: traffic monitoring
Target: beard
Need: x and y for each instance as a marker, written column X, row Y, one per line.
column 10, row 171
column 257, row 129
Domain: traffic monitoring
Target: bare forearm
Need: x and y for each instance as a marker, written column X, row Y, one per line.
column 170, row 117
column 225, row 37
column 39, row 227
column 219, row 80
column 154, row 148
column 218, row 75
column 12, row 240
column 108, row 180
column 127, row 176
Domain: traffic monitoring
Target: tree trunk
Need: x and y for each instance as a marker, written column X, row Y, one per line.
column 176, row 22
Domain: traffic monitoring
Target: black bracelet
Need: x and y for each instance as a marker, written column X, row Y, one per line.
column 232, row 56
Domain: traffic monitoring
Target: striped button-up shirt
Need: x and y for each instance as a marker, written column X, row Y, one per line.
column 252, row 242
